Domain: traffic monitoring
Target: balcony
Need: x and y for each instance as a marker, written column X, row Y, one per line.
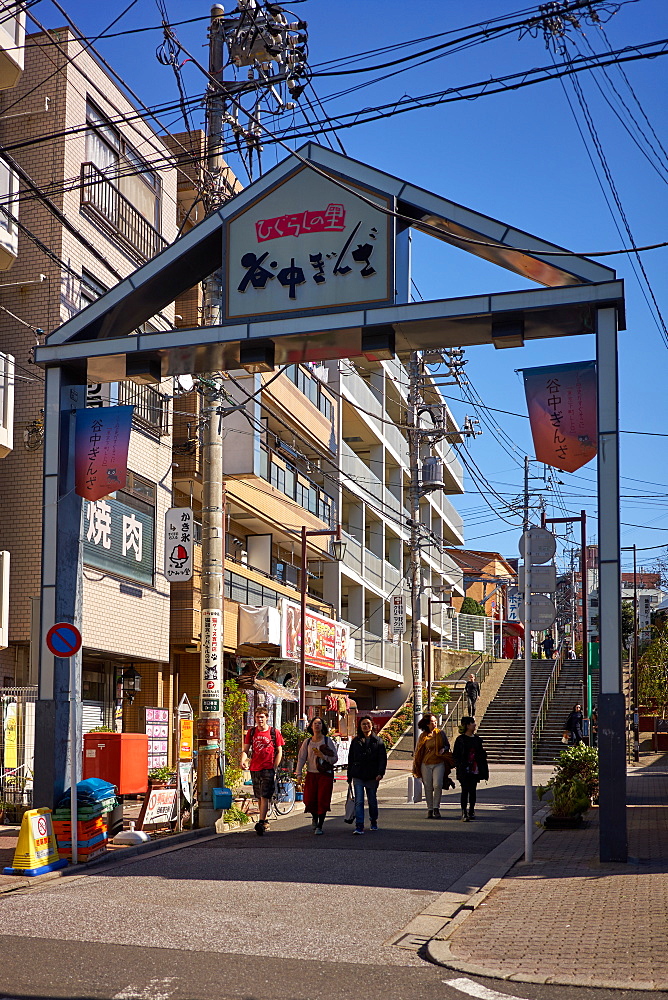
column 115, row 212
column 6, row 405
column 365, row 482
column 12, row 48
column 151, row 408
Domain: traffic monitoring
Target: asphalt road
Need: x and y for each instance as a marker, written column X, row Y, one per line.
column 282, row 917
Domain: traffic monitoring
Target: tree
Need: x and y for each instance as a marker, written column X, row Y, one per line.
column 471, row 607
column 653, row 671
column 628, row 621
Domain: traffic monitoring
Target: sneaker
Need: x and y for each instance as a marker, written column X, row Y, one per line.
column 465, row 816
column 358, row 832
column 259, row 828
column 430, row 814
column 319, row 831
column 373, row 827
column 314, row 822
column 437, row 813
column 471, row 813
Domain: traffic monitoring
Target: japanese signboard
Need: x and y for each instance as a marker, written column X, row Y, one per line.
column 326, row 641
column 309, row 244
column 398, row 614
column 212, row 662
column 514, row 598
column 185, row 739
column 157, row 730
column 119, row 537
column 179, row 543
column 158, row 808
column 101, row 450
column 561, row 400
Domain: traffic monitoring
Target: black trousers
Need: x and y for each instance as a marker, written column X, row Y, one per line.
column 469, row 786
column 472, row 704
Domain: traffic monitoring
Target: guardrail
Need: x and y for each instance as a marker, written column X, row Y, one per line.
column 550, row 688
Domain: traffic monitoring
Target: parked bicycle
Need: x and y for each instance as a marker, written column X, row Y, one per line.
column 283, row 800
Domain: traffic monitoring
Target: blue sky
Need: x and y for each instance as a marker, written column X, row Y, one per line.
column 518, row 157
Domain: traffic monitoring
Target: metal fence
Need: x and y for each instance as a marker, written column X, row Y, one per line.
column 17, row 749
column 103, row 198
column 468, row 632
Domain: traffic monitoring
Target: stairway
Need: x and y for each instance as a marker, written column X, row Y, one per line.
column 502, row 726
column 567, row 694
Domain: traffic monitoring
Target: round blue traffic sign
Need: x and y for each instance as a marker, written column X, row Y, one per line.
column 63, row 639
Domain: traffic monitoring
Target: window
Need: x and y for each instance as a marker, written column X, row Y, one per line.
column 311, row 389
column 8, row 197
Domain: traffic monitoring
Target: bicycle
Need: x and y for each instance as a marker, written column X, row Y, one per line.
column 283, row 800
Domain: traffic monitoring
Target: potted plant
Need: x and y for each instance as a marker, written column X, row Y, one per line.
column 572, row 787
column 294, row 738
column 161, row 777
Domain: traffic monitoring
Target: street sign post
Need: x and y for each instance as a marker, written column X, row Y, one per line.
column 64, row 640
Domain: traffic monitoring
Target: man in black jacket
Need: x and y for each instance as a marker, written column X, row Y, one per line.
column 367, row 761
column 472, row 693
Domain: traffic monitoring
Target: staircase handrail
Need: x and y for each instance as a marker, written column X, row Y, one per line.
column 457, row 710
column 550, row 688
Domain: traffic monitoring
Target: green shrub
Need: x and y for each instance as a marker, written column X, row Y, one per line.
column 294, row 738
column 161, row 774
column 574, row 783
column 235, row 703
column 236, row 815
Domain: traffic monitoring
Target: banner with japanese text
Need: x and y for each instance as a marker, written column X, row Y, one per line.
column 326, row 640
column 561, row 400
column 101, row 450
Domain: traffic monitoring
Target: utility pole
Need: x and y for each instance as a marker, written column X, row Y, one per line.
column 413, row 421
column 211, row 721
column 636, row 720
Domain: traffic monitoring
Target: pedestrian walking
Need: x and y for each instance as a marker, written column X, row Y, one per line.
column 367, row 761
column 263, row 746
column 319, row 754
column 472, row 689
column 471, row 762
column 548, row 646
column 429, row 763
column 574, row 724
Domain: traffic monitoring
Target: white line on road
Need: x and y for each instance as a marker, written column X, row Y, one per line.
column 148, row 992
column 478, row 990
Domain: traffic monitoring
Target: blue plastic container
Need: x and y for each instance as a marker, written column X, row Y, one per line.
column 222, row 798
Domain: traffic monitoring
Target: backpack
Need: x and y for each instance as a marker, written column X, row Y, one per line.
column 251, row 737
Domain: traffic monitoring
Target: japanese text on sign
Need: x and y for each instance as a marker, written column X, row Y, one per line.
column 179, row 543
column 211, row 661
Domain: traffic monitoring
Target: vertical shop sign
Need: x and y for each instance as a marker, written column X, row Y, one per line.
column 210, row 695
column 398, row 614
column 179, row 543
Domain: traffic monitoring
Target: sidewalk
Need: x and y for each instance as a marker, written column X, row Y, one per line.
column 566, row 918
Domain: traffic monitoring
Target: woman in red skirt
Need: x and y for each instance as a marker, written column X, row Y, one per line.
column 319, row 753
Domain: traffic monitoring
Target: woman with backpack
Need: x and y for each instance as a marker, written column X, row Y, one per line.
column 471, row 762
column 367, row 760
column 319, row 753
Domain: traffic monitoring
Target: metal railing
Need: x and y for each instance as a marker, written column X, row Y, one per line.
column 150, row 405
column 17, row 749
column 550, row 688
column 103, row 198
column 481, row 667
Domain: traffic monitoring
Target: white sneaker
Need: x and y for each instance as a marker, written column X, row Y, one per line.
column 358, row 832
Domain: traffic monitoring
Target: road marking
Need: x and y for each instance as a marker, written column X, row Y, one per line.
column 148, row 992
column 478, row 990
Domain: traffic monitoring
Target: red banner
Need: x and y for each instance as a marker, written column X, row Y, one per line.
column 561, row 400
column 101, row 450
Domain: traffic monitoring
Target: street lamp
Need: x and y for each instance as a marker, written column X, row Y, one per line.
column 451, row 613
column 338, row 551
column 131, row 679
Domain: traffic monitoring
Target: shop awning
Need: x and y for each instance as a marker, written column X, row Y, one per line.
column 275, row 689
column 513, row 628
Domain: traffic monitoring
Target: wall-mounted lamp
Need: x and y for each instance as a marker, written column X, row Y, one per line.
column 131, row 683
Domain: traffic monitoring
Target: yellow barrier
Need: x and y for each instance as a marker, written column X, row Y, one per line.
column 36, row 851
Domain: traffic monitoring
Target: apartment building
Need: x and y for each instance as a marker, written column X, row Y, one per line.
column 97, row 197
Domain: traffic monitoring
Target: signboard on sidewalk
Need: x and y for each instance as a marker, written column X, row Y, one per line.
column 212, row 662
